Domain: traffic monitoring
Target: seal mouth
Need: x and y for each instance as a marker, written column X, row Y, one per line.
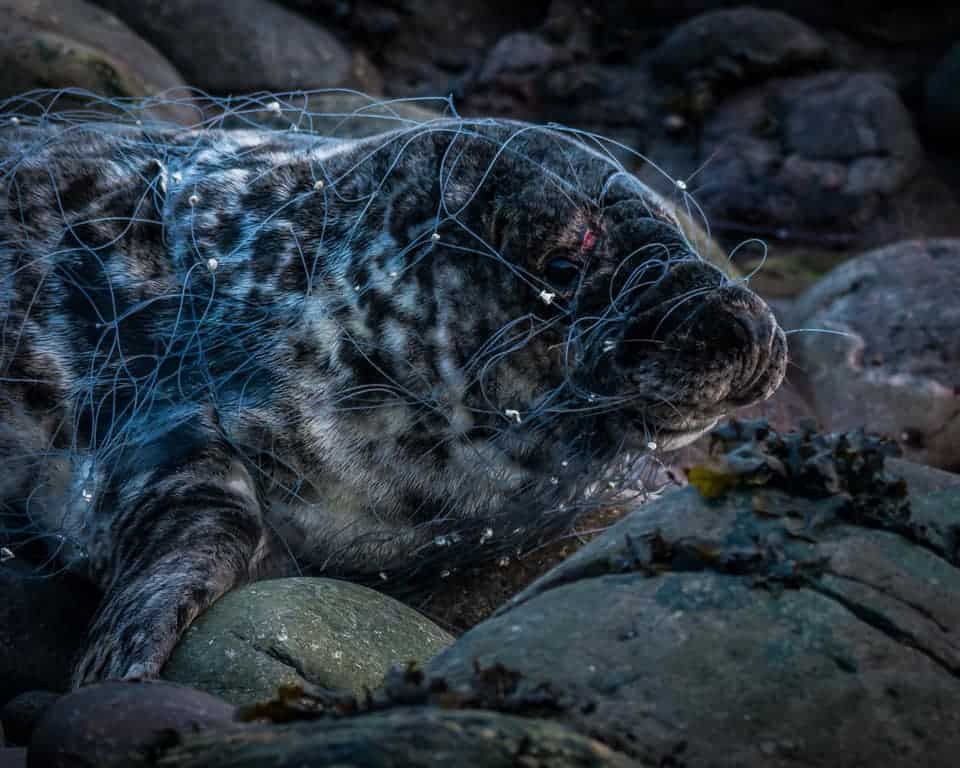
column 662, row 438
column 671, row 439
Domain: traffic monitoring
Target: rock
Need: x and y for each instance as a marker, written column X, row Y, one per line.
column 921, row 479
column 50, row 44
column 116, row 723
column 523, row 76
column 735, row 47
column 412, row 738
column 240, row 47
column 815, row 157
column 516, row 54
column 942, row 106
column 896, row 369
column 43, row 620
column 290, row 631
column 765, row 626
column 21, row 714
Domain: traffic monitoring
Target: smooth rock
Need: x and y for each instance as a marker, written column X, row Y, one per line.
column 117, row 723
column 289, row 631
column 57, row 45
column 759, row 628
column 241, row 46
column 737, row 46
column 891, row 359
column 412, row 738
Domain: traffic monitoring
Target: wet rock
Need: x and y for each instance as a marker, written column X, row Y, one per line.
column 942, row 105
column 413, row 738
column 43, row 620
column 21, row 714
column 892, row 358
column 118, row 723
column 736, row 47
column 49, row 44
column 801, row 615
column 300, row 630
column 243, row 46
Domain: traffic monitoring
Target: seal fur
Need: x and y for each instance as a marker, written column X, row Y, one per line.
column 226, row 354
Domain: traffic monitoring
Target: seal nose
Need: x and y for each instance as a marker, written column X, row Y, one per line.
column 756, row 337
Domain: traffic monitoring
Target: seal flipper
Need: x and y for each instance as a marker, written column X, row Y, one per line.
column 181, row 536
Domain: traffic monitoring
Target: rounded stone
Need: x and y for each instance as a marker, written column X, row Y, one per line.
column 241, row 46
column 738, row 44
column 117, row 722
column 50, row 44
column 887, row 352
column 290, row 631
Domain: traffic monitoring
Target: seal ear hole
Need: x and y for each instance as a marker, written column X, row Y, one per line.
column 562, row 273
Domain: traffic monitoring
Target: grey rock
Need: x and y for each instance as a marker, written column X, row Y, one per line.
column 242, row 46
column 737, row 46
column 118, row 723
column 56, row 45
column 892, row 358
column 732, row 631
column 413, row 738
column 300, row 630
column 807, row 156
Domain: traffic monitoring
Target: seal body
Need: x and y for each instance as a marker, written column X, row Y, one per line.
column 228, row 354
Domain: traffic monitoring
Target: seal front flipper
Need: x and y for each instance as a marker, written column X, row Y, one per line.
column 180, row 536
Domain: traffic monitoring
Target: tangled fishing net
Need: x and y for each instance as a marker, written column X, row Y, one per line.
column 126, row 402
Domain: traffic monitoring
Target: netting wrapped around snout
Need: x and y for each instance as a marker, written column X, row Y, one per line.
column 428, row 339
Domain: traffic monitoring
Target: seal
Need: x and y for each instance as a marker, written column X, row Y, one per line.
column 229, row 354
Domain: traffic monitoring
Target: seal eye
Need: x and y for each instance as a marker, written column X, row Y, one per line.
column 562, row 273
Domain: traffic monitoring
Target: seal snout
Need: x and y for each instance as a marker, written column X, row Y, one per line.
column 763, row 346
column 715, row 348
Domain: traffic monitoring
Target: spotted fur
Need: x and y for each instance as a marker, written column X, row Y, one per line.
column 225, row 355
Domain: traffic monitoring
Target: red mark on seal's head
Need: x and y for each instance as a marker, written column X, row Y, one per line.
column 589, row 240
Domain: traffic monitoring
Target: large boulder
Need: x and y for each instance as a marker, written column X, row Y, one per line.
column 411, row 738
column 45, row 44
column 244, row 45
column 821, row 155
column 735, row 47
column 792, row 611
column 883, row 348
